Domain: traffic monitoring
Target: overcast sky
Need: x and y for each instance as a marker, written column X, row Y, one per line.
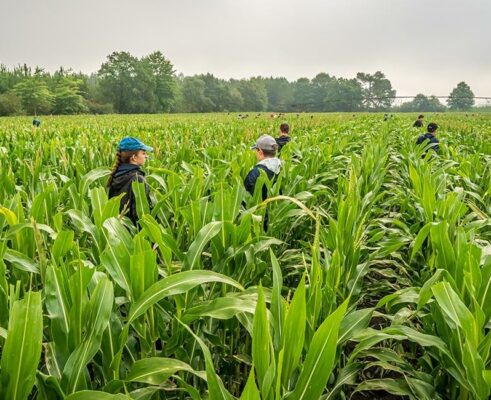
column 423, row 46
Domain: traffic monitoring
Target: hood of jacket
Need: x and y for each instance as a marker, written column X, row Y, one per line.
column 273, row 164
column 124, row 174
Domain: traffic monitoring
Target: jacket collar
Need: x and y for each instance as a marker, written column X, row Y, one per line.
column 125, row 168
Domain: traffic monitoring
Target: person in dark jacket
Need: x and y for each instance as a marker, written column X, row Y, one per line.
column 419, row 122
column 266, row 150
column 284, row 137
column 429, row 138
column 131, row 156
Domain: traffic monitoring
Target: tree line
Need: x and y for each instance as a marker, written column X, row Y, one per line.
column 126, row 84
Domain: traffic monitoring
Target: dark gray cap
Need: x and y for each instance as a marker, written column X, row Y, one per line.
column 265, row 142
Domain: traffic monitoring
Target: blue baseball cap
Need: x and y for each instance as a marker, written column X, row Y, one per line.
column 129, row 143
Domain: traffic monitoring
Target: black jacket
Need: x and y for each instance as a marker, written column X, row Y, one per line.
column 251, row 178
column 282, row 141
column 122, row 181
column 250, row 184
column 434, row 142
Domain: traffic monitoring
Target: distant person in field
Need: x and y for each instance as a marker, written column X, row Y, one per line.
column 284, row 137
column 429, row 138
column 36, row 122
column 266, row 154
column 131, row 156
column 419, row 123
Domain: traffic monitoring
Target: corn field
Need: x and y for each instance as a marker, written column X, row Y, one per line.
column 373, row 280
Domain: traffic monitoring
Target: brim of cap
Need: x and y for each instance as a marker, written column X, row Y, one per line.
column 253, row 147
column 144, row 147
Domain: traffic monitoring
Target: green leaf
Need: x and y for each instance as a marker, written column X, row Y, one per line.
column 220, row 308
column 22, row 349
column 215, row 386
column 320, row 358
column 425, row 293
column 156, row 371
column 9, row 215
column 420, row 238
column 346, row 376
column 21, row 261
column 96, row 395
column 294, row 332
column 397, row 387
column 91, row 177
column 169, row 286
column 277, row 306
column 204, row 236
column 62, row 244
column 354, row 322
column 261, row 340
column 99, row 312
column 117, row 254
column 175, row 284
column 250, row 391
column 139, row 191
column 455, row 310
column 57, row 300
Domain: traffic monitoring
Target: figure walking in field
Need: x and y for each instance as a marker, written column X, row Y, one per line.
column 419, row 122
column 429, row 138
column 266, row 150
column 284, row 137
column 131, row 156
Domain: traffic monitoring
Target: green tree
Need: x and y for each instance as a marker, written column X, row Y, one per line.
column 253, row 93
column 34, row 94
column 422, row 103
column 303, row 95
column 127, row 84
column 192, row 96
column 10, row 104
column 216, row 90
column 67, row 98
column 163, row 75
column 233, row 100
column 461, row 98
column 377, row 91
column 319, row 86
column 343, row 95
column 4, row 78
column 279, row 92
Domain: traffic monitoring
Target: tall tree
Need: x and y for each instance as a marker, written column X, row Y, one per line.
column 127, row 84
column 303, row 95
column 422, row 103
column 377, row 91
column 34, row 94
column 279, row 92
column 10, row 104
column 461, row 98
column 163, row 74
column 343, row 95
column 67, row 97
column 319, row 87
column 217, row 91
column 253, row 93
column 192, row 96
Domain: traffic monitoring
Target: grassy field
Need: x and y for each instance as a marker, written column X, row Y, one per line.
column 373, row 280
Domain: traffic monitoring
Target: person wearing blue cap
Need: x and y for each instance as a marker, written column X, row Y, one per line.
column 131, row 156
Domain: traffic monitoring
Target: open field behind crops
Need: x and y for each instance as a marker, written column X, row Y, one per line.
column 372, row 282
